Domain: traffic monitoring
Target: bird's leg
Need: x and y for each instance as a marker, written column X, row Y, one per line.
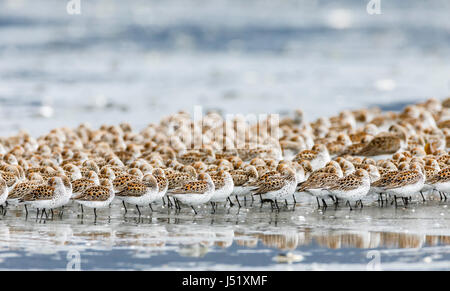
column 194, row 209
column 150, row 205
column 276, row 204
column 421, row 194
column 293, row 197
column 318, row 204
column 237, row 199
column 139, row 211
column 231, row 203
column 124, row 206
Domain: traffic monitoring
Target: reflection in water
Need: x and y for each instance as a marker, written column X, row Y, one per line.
column 343, row 239
column 197, row 240
column 166, row 235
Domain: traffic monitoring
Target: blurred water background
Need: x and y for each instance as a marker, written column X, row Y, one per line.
column 137, row 61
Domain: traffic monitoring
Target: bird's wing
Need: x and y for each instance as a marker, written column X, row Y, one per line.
column 94, row 193
column 43, row 192
column 274, row 184
column 404, row 178
column 347, row 183
column 133, row 189
column 195, row 187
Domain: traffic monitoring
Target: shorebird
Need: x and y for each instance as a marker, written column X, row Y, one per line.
column 195, row 192
column 352, row 188
column 23, row 188
column 140, row 193
column 11, row 179
column 223, row 184
column 96, row 197
column 163, row 184
column 65, row 198
column 79, row 185
column 318, row 156
column 277, row 187
column 3, row 192
column 240, row 179
column 45, row 197
column 177, row 179
column 386, row 143
column 317, row 184
column 441, row 182
column 407, row 183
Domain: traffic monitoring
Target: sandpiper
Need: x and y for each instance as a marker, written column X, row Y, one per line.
column 24, row 188
column 278, row 187
column 318, row 156
column 441, row 182
column 3, row 192
column 45, row 197
column 386, row 143
column 352, row 188
column 223, row 184
column 407, row 183
column 163, row 184
column 195, row 192
column 240, row 179
column 96, row 197
column 140, row 193
column 317, row 184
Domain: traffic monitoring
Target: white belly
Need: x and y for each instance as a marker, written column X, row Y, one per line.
column 221, row 195
column 194, row 199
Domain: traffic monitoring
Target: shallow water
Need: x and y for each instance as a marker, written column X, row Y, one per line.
column 250, row 238
column 137, row 61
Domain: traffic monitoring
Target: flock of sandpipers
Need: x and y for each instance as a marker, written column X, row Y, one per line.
column 182, row 161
